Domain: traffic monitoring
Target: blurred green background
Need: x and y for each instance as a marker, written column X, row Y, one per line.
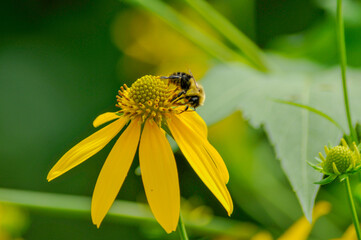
column 61, row 64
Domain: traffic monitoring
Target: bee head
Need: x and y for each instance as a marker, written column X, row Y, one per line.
column 196, row 97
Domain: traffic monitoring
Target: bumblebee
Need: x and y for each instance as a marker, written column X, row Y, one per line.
column 191, row 92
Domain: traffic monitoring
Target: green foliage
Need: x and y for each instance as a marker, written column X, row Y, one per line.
column 233, row 34
column 209, row 44
column 60, row 61
column 318, row 42
column 311, row 109
column 297, row 134
column 122, row 211
column 352, row 8
column 327, row 180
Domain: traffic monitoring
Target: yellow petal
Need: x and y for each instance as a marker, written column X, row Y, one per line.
column 191, row 144
column 160, row 178
column 86, row 148
column 105, row 117
column 349, row 234
column 196, row 123
column 262, row 235
column 217, row 159
column 114, row 171
column 302, row 228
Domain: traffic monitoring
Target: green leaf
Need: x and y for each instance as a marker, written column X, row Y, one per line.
column 297, row 134
column 209, row 44
column 311, row 109
column 226, row 28
column 318, row 168
column 327, row 180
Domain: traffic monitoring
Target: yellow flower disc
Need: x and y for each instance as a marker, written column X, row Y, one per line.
column 341, row 156
column 149, row 97
column 148, row 88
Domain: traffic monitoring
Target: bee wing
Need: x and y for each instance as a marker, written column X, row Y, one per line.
column 195, row 82
column 172, row 76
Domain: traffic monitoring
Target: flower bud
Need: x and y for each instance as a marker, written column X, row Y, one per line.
column 338, row 160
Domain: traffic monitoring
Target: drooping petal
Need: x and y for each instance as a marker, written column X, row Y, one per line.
column 160, row 178
column 192, row 146
column 262, row 235
column 104, row 118
column 301, row 229
column 114, row 171
column 196, row 123
column 349, row 234
column 217, row 159
column 86, row 148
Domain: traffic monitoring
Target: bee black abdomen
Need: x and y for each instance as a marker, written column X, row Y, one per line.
column 181, row 79
column 185, row 84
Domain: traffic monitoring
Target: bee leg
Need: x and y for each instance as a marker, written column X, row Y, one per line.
column 181, row 93
column 185, row 109
column 178, row 97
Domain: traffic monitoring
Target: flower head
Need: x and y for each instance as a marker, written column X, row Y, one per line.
column 339, row 161
column 147, row 107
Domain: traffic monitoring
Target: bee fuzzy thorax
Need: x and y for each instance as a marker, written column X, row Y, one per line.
column 181, row 79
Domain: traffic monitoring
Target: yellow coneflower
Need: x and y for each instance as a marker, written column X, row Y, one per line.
column 148, row 105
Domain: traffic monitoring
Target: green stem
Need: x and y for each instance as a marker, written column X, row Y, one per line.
column 122, row 211
column 181, row 229
column 343, row 61
column 353, row 209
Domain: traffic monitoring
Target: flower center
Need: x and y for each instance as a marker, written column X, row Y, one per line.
column 149, row 97
column 148, row 89
column 341, row 156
